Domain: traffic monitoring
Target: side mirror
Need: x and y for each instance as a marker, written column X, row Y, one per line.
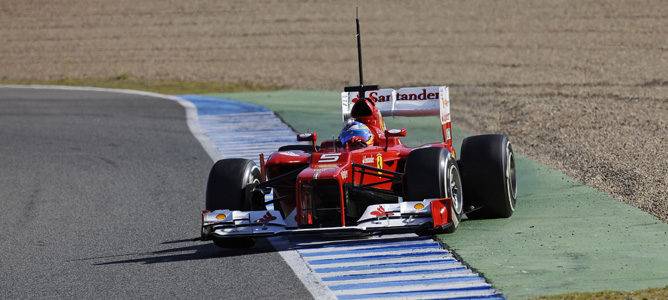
column 304, row 137
column 395, row 132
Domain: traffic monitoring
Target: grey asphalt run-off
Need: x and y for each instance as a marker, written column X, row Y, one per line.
column 101, row 194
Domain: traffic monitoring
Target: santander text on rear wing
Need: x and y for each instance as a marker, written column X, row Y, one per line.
column 407, row 102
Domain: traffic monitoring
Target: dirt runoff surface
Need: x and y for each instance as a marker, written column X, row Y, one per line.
column 581, row 86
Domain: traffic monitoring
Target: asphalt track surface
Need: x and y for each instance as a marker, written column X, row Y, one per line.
column 100, row 196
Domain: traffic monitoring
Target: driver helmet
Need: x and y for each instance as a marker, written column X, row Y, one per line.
column 356, row 132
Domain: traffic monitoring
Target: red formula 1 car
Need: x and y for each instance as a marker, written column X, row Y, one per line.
column 366, row 180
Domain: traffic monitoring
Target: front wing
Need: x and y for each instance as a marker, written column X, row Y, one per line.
column 407, row 216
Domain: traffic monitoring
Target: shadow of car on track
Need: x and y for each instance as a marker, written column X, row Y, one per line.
column 199, row 250
column 202, row 250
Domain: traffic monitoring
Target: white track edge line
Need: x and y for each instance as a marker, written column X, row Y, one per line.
column 327, row 248
column 446, row 266
column 463, row 273
column 384, row 261
column 480, row 283
column 446, row 295
column 375, row 254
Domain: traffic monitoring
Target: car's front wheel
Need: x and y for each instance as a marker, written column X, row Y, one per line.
column 231, row 186
column 433, row 173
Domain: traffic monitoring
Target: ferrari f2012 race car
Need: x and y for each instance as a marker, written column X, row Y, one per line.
column 366, row 180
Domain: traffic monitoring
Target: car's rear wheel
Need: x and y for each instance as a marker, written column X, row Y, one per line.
column 433, row 173
column 488, row 168
column 231, row 186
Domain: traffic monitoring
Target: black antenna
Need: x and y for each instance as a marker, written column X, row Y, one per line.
column 359, row 45
column 361, row 88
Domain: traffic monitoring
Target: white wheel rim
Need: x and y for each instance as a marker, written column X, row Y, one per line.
column 511, row 182
column 454, row 185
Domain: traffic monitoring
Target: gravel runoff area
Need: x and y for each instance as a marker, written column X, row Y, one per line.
column 581, row 86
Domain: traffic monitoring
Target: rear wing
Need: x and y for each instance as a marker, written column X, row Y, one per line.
column 407, row 102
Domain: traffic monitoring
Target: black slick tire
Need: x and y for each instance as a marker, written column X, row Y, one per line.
column 228, row 182
column 488, row 173
column 230, row 186
column 433, row 173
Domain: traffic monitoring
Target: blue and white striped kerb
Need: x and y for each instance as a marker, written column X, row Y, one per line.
column 392, row 267
column 241, row 130
column 389, row 267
